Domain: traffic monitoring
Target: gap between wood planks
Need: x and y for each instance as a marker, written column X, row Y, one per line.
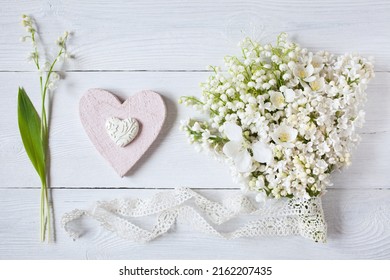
column 120, row 71
column 165, row 188
column 154, row 188
column 134, row 71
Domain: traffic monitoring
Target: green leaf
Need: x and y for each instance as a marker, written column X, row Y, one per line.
column 31, row 133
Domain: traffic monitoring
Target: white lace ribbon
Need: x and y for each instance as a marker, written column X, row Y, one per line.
column 283, row 217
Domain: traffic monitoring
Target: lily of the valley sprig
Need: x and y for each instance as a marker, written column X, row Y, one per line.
column 282, row 117
column 34, row 128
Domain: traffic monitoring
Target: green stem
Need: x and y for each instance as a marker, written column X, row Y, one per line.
column 45, row 219
column 42, row 216
column 51, row 71
column 36, row 58
column 46, row 213
column 45, row 205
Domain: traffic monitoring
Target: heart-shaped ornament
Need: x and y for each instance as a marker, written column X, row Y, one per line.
column 122, row 132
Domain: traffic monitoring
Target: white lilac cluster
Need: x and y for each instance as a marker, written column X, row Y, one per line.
column 283, row 118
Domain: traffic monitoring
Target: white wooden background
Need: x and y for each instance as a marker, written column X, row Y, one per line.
column 126, row 46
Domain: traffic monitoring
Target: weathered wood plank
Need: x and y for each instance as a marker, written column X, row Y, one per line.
column 171, row 161
column 189, row 35
column 358, row 222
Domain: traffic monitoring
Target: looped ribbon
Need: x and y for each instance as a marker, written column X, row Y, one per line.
column 277, row 218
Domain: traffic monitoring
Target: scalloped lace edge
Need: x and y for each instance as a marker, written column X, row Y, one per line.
column 277, row 218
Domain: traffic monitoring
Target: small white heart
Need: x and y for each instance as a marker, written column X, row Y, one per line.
column 122, row 132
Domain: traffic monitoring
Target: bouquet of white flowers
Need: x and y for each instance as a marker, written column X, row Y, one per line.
column 283, row 118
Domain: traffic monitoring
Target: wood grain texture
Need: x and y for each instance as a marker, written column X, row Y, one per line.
column 170, row 159
column 189, row 35
column 126, row 46
column 358, row 226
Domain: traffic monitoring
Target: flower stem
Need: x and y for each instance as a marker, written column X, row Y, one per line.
column 42, row 216
column 45, row 82
column 45, row 204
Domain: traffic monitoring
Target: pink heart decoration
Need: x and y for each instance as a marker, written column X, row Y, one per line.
column 147, row 107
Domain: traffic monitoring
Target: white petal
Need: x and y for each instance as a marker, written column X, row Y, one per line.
column 231, row 148
column 318, row 84
column 283, row 130
column 275, row 137
column 317, row 61
column 298, row 71
column 262, row 152
column 294, row 133
column 232, row 131
column 277, row 99
column 289, row 95
column 243, row 161
column 290, row 130
column 310, row 79
column 309, row 70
